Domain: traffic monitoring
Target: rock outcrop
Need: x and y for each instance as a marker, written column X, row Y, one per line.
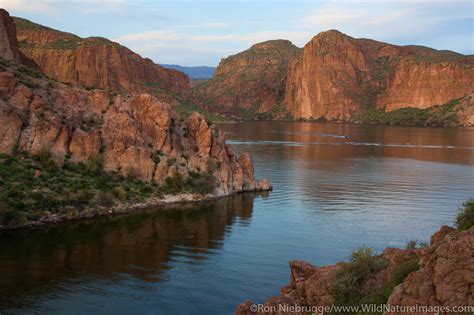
column 135, row 134
column 250, row 83
column 334, row 77
column 8, row 42
column 94, row 62
column 445, row 277
column 338, row 76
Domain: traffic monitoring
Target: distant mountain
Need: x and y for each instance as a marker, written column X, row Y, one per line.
column 250, row 83
column 336, row 77
column 194, row 73
column 94, row 61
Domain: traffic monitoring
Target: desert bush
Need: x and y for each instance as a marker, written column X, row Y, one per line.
column 346, row 288
column 416, row 244
column 45, row 158
column 201, row 183
column 465, row 216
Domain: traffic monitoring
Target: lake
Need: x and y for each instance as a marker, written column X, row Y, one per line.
column 336, row 187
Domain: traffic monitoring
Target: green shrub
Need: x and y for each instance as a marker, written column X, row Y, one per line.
column 174, row 184
column 171, row 161
column 465, row 216
column 133, row 174
column 416, row 244
column 30, row 72
column 105, row 199
column 45, row 158
column 402, row 271
column 94, row 164
column 439, row 115
column 120, row 193
column 201, row 183
column 346, row 288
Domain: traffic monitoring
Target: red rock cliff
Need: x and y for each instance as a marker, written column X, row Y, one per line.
column 134, row 133
column 94, row 62
column 251, row 82
column 8, row 43
column 338, row 76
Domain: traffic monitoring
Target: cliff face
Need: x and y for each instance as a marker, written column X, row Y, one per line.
column 338, row 76
column 8, row 42
column 444, row 278
column 94, row 62
column 251, row 82
column 134, row 134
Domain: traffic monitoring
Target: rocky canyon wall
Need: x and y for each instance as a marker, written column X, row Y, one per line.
column 134, row 133
column 338, row 76
column 94, row 62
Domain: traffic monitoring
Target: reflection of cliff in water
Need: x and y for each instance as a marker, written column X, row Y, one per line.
column 144, row 245
column 306, row 141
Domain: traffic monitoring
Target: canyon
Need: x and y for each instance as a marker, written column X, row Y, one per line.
column 133, row 134
column 336, row 77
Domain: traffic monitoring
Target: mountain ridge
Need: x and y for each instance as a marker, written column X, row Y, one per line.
column 94, row 62
column 193, row 72
column 336, row 77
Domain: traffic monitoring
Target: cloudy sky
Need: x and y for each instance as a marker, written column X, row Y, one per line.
column 194, row 32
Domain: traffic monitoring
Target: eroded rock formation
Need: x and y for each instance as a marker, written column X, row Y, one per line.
column 136, row 134
column 338, row 76
column 335, row 77
column 8, row 42
column 94, row 62
column 252, row 82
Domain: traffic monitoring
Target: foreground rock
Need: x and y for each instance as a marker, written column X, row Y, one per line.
column 445, row 278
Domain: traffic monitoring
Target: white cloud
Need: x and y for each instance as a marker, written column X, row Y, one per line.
column 54, row 7
column 41, row 7
column 383, row 20
column 252, row 38
column 177, row 47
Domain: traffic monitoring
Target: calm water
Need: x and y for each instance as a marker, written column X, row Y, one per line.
column 381, row 186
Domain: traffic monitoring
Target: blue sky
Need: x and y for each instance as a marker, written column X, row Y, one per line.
column 202, row 32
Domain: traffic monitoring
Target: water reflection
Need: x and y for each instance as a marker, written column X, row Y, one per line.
column 380, row 186
column 143, row 245
column 314, row 141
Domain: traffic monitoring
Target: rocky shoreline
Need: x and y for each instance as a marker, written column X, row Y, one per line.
column 440, row 274
column 123, row 209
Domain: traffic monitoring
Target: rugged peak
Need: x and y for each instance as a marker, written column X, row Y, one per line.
column 339, row 76
column 95, row 62
column 274, row 44
column 30, row 33
column 331, row 39
column 8, row 42
column 250, row 83
column 330, row 34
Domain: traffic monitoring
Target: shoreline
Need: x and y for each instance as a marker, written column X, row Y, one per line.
column 121, row 209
